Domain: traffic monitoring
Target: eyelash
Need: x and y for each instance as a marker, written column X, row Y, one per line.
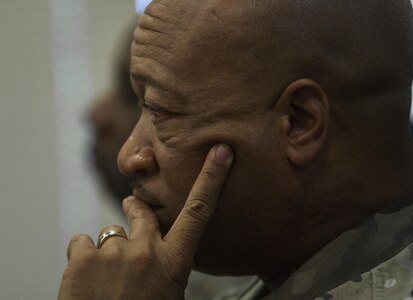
column 156, row 112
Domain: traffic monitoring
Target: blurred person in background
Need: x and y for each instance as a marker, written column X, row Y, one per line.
column 113, row 115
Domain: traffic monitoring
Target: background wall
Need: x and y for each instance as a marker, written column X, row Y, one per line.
column 41, row 47
column 29, row 230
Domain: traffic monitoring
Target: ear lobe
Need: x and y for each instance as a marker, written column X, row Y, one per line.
column 306, row 120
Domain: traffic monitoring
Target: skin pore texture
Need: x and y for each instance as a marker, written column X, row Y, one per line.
column 312, row 96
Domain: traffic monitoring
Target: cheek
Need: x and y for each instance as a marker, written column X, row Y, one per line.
column 253, row 177
column 178, row 170
column 181, row 161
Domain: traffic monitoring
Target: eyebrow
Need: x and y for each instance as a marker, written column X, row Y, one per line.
column 163, row 88
column 148, row 79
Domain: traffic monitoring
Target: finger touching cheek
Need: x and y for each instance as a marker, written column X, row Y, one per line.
column 200, row 205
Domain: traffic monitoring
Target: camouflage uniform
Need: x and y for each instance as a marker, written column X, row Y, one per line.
column 373, row 260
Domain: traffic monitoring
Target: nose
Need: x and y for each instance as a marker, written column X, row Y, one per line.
column 137, row 156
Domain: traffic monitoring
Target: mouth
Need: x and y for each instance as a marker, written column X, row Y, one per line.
column 148, row 198
column 153, row 202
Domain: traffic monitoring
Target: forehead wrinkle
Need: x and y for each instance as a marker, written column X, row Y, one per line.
column 160, row 43
column 161, row 33
column 157, row 26
column 174, row 11
column 203, row 37
column 150, row 43
column 162, row 10
column 150, row 71
column 187, row 21
column 170, row 17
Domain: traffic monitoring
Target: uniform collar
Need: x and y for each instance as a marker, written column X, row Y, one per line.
column 354, row 252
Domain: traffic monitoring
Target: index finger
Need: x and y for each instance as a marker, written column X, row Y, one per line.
column 200, row 205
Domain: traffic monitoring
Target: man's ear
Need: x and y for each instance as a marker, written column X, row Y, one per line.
column 305, row 120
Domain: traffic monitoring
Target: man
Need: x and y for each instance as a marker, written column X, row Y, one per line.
column 313, row 98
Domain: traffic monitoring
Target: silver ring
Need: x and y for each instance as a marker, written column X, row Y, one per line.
column 108, row 232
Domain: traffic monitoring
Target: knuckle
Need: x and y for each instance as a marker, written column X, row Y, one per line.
column 200, row 208
column 88, row 257
column 75, row 242
column 211, row 176
column 78, row 238
column 113, row 253
column 82, row 260
column 146, row 256
column 136, row 214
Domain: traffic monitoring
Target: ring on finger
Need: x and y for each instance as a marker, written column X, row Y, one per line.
column 108, row 232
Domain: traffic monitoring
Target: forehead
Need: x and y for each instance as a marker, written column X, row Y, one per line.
column 171, row 25
column 177, row 41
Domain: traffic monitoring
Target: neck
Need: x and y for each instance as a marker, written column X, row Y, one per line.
column 329, row 208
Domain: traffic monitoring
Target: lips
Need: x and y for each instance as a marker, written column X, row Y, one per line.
column 147, row 197
column 161, row 212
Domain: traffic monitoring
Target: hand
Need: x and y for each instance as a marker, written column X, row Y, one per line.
column 147, row 266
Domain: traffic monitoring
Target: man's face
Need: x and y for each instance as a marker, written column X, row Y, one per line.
column 194, row 97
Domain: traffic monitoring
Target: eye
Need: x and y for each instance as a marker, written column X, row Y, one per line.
column 156, row 112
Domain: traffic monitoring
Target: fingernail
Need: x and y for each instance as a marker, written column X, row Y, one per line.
column 223, row 154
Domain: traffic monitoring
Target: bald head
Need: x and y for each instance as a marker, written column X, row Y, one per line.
column 295, row 87
column 359, row 52
column 349, row 47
